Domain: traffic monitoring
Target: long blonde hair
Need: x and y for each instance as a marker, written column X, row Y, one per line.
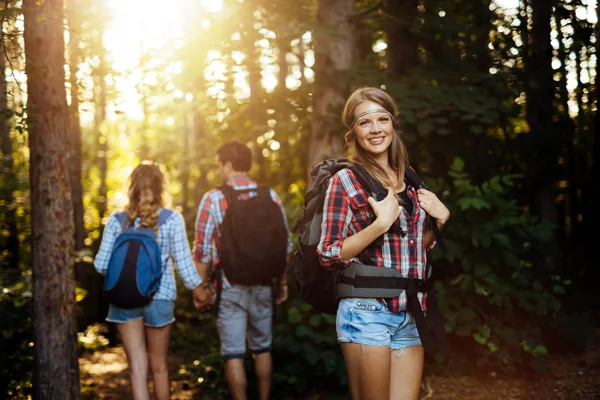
column 146, row 194
column 397, row 155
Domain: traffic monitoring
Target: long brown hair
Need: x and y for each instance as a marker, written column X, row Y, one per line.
column 397, row 155
column 146, row 194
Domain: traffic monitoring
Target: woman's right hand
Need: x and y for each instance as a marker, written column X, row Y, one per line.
column 387, row 210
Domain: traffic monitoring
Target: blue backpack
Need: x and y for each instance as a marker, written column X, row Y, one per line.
column 135, row 265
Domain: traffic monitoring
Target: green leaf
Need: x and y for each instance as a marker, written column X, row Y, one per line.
column 479, row 338
column 316, row 320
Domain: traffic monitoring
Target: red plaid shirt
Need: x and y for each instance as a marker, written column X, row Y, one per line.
column 347, row 211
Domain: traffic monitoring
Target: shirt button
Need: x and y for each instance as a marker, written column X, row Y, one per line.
column 410, row 223
column 411, row 242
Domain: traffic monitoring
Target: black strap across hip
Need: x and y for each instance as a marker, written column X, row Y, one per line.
column 411, row 286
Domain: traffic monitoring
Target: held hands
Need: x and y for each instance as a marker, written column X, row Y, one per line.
column 387, row 210
column 433, row 206
column 203, row 298
column 283, row 294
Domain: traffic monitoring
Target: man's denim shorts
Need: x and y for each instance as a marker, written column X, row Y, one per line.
column 245, row 312
column 368, row 322
column 157, row 314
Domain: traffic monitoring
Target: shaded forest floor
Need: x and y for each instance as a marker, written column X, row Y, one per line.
column 104, row 375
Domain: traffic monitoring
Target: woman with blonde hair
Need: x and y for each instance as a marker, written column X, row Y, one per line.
column 145, row 331
column 379, row 337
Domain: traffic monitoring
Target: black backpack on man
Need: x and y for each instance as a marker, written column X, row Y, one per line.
column 254, row 239
column 323, row 289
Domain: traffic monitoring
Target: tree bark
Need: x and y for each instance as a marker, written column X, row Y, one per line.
column 56, row 373
column 545, row 145
column 334, row 58
column 402, row 47
column 75, row 136
column 10, row 244
column 102, row 139
column 594, row 216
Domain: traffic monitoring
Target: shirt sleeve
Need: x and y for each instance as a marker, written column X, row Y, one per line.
column 205, row 227
column 111, row 231
column 337, row 216
column 278, row 201
column 182, row 255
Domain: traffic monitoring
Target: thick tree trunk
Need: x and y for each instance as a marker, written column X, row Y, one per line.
column 56, row 374
column 10, row 244
column 75, row 136
column 402, row 47
column 334, row 58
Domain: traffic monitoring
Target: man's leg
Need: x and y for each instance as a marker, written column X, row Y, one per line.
column 235, row 375
column 260, row 327
column 231, row 324
column 263, row 367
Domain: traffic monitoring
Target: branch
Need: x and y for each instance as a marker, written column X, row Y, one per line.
column 366, row 11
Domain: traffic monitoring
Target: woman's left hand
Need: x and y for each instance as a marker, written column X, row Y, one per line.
column 429, row 202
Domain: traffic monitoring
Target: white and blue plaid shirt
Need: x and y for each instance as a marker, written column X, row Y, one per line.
column 174, row 246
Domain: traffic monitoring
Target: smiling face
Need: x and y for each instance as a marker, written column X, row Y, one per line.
column 374, row 129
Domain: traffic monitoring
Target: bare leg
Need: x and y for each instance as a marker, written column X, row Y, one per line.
column 132, row 335
column 263, row 366
column 406, row 373
column 235, row 375
column 368, row 371
column 158, row 350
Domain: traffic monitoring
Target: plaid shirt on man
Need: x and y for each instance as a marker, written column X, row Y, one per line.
column 173, row 242
column 209, row 220
column 346, row 211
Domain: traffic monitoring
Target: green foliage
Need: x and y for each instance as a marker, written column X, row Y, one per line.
column 16, row 357
column 497, row 296
column 306, row 351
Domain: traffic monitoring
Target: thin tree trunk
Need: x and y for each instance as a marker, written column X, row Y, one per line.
column 595, row 180
column 102, row 141
column 572, row 205
column 334, row 58
column 75, row 136
column 10, row 244
column 185, row 160
column 56, row 373
column 539, row 109
column 402, row 43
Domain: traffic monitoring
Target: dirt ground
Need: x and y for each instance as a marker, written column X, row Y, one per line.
column 570, row 376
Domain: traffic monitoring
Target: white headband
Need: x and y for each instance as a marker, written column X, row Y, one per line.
column 379, row 110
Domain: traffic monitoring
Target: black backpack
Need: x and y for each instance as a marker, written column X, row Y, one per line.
column 254, row 239
column 318, row 285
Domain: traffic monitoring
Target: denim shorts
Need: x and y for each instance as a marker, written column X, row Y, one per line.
column 245, row 312
column 368, row 322
column 157, row 314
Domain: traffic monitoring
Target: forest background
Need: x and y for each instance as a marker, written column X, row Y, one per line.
column 498, row 106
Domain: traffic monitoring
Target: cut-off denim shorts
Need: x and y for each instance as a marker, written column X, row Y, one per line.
column 157, row 314
column 368, row 322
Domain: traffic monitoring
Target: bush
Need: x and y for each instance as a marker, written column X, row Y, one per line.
column 16, row 359
column 496, row 293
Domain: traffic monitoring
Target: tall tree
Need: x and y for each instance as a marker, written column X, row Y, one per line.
column 10, row 244
column 75, row 132
column 402, row 41
column 56, row 373
column 334, row 57
column 595, row 184
column 544, row 144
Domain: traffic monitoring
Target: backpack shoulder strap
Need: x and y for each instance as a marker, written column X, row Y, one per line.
column 121, row 216
column 413, row 178
column 228, row 192
column 163, row 215
column 372, row 185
